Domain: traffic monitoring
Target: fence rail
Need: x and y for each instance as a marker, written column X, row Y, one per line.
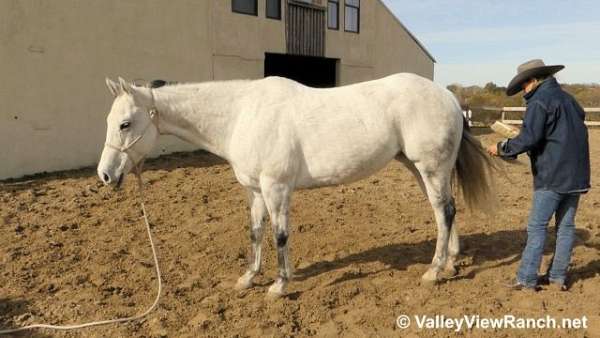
column 522, row 109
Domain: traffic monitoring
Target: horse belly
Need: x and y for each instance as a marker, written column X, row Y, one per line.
column 338, row 165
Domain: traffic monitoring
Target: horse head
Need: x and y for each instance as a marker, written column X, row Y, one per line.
column 131, row 132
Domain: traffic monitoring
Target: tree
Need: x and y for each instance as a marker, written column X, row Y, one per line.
column 490, row 87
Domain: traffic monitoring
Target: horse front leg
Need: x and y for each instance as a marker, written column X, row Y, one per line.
column 277, row 197
column 258, row 211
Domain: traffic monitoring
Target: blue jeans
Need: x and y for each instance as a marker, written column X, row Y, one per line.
column 545, row 204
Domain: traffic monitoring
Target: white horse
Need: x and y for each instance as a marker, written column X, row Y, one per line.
column 279, row 135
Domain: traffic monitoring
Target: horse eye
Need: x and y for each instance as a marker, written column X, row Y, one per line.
column 124, row 125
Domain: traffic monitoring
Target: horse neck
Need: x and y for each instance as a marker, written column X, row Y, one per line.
column 202, row 114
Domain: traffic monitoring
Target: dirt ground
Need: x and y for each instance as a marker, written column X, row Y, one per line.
column 72, row 250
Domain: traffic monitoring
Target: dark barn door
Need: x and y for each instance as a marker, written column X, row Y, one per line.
column 305, row 29
column 309, row 70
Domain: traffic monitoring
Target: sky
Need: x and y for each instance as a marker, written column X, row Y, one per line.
column 479, row 41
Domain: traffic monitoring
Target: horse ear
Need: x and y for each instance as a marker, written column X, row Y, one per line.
column 126, row 87
column 139, row 94
column 113, row 87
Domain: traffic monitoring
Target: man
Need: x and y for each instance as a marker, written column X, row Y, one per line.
column 556, row 139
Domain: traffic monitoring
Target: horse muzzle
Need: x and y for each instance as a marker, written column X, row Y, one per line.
column 111, row 180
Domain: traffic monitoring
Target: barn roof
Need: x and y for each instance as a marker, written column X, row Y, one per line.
column 408, row 31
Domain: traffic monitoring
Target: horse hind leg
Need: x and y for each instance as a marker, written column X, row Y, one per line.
column 453, row 242
column 439, row 193
column 413, row 169
column 258, row 211
column 453, row 252
column 277, row 198
column 449, row 211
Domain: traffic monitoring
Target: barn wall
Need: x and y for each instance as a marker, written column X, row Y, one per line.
column 383, row 47
column 240, row 41
column 355, row 51
column 54, row 56
column 400, row 53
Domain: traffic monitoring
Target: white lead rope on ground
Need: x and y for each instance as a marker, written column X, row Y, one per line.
column 116, row 320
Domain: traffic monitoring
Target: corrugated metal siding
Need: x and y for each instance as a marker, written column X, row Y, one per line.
column 305, row 30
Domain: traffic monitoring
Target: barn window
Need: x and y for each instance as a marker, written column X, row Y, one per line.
column 245, row 6
column 274, row 9
column 352, row 15
column 333, row 14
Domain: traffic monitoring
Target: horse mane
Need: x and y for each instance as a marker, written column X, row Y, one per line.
column 175, row 85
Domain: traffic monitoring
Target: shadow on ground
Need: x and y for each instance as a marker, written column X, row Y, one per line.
column 502, row 247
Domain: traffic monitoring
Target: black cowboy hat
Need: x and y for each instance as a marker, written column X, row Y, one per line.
column 530, row 69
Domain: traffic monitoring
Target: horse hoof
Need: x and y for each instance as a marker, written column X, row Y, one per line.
column 430, row 277
column 427, row 284
column 243, row 283
column 277, row 290
column 450, row 272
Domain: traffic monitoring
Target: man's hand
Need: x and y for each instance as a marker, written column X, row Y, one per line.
column 493, row 150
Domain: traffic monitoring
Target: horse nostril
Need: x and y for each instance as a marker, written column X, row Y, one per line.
column 105, row 178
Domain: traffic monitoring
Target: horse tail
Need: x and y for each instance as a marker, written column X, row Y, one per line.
column 473, row 169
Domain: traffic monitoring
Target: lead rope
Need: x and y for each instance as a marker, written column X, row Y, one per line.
column 138, row 174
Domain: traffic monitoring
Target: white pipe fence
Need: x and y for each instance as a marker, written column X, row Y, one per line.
column 522, row 110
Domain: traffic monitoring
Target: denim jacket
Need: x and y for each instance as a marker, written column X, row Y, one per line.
column 555, row 138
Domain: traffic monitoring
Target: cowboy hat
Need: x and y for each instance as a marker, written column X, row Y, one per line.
column 530, row 69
